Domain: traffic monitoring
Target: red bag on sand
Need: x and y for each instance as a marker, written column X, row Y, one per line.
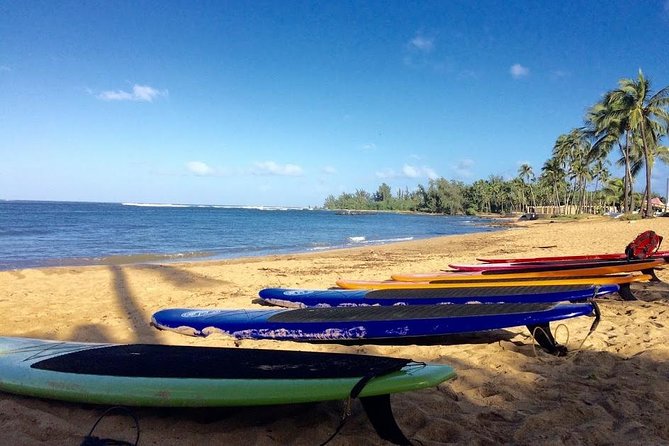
column 643, row 246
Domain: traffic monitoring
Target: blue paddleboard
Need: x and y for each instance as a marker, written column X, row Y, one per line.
column 298, row 298
column 369, row 322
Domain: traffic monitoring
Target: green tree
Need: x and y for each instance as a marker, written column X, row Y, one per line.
column 553, row 175
column 614, row 191
column 647, row 117
column 609, row 128
column 383, row 193
column 526, row 174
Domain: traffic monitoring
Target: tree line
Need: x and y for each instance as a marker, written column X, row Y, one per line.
column 627, row 126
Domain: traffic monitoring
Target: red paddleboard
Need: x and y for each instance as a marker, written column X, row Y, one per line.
column 559, row 265
column 587, row 257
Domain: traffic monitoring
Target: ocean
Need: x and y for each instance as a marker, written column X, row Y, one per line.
column 38, row 234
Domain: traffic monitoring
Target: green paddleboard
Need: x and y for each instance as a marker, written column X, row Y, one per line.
column 182, row 376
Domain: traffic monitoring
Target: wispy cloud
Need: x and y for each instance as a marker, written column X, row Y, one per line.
column 273, row 168
column 5, row 68
column 463, row 168
column 561, row 74
column 139, row 93
column 199, row 168
column 408, row 171
column 418, row 51
column 421, row 43
column 369, row 146
column 421, row 52
column 468, row 74
column 518, row 71
column 329, row 170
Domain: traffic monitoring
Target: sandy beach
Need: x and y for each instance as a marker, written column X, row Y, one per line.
column 615, row 390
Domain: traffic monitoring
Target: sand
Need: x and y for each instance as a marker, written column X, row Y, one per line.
column 615, row 390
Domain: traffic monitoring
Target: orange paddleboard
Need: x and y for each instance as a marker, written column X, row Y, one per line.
column 466, row 276
column 531, row 281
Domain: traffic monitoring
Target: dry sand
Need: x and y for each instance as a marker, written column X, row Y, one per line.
column 614, row 391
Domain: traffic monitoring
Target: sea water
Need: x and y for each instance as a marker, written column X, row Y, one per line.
column 36, row 234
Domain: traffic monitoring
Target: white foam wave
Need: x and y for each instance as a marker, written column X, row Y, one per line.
column 322, row 248
column 386, row 240
column 216, row 206
column 157, row 205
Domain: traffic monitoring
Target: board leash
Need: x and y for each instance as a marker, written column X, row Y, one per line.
column 377, row 408
column 570, row 356
column 92, row 440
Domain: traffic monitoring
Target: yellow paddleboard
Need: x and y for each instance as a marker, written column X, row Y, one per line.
column 593, row 280
column 456, row 276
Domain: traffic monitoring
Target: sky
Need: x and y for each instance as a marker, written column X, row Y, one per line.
column 282, row 103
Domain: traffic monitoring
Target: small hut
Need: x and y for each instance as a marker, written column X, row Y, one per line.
column 657, row 205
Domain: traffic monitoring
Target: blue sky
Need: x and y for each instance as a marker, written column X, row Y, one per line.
column 287, row 102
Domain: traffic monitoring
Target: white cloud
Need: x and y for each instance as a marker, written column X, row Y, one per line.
column 272, row 168
column 421, row 43
column 518, row 71
column 430, row 173
column 199, row 168
column 139, row 93
column 369, row 146
column 386, row 173
column 329, row 170
column 408, row 171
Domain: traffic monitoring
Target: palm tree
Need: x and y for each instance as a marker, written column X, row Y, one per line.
column 572, row 150
column 646, row 115
column 600, row 174
column 613, row 191
column 525, row 173
column 608, row 128
column 553, row 174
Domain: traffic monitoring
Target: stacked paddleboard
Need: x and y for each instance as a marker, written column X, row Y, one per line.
column 530, row 294
column 424, row 304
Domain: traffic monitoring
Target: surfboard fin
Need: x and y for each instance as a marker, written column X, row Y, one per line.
column 380, row 414
column 378, row 411
column 542, row 334
column 625, row 292
column 651, row 273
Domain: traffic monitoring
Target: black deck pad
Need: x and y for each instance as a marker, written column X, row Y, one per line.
column 421, row 293
column 404, row 312
column 166, row 361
